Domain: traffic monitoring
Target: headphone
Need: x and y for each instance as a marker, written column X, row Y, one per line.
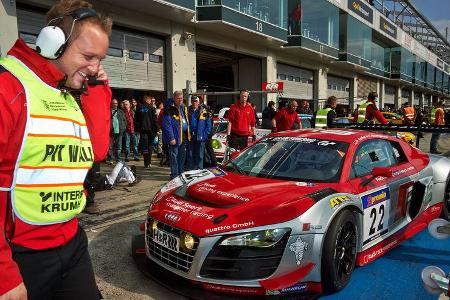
column 52, row 41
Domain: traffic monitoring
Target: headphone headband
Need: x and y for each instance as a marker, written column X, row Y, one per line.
column 52, row 40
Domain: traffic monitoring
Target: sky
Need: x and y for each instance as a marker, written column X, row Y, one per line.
column 437, row 11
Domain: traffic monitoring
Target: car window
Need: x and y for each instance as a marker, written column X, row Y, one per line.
column 375, row 153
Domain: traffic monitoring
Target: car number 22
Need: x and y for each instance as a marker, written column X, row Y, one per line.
column 376, row 214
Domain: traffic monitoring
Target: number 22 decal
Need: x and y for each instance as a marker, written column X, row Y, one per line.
column 373, row 216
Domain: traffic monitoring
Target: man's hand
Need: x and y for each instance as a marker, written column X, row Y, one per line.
column 173, row 142
column 101, row 75
column 17, row 293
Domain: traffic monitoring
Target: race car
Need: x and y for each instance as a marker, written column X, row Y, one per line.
column 293, row 213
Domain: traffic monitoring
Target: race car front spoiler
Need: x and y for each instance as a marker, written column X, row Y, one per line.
column 198, row 290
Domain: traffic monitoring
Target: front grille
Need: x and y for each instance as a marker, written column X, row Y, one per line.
column 243, row 263
column 182, row 260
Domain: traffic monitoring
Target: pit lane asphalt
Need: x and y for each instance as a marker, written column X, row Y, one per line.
column 122, row 210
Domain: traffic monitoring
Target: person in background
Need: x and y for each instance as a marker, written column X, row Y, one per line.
column 43, row 250
column 368, row 111
column 241, row 122
column 408, row 114
column 326, row 117
column 438, row 120
column 418, row 119
column 304, row 108
column 159, row 147
column 268, row 114
column 209, row 151
column 176, row 133
column 130, row 132
column 134, row 105
column 286, row 118
column 146, row 125
column 200, row 127
column 118, row 127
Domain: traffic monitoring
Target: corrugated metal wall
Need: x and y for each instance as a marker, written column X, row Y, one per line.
column 298, row 83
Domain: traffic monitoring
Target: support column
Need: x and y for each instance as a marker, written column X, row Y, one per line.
column 398, row 97
column 181, row 60
column 354, row 93
column 381, row 93
column 411, row 98
column 320, row 92
column 422, row 100
column 269, row 74
column 8, row 24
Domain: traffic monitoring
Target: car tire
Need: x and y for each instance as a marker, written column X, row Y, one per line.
column 339, row 252
column 445, row 214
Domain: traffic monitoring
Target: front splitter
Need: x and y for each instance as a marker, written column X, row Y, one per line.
column 188, row 288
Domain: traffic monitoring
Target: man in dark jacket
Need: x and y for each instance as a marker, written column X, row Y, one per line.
column 118, row 127
column 145, row 124
column 200, row 127
column 267, row 115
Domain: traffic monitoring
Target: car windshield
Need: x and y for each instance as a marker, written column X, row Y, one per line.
column 219, row 127
column 292, row 158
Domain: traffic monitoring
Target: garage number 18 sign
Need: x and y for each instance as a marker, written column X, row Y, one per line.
column 376, row 214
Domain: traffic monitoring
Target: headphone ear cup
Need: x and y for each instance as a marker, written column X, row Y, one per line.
column 50, row 42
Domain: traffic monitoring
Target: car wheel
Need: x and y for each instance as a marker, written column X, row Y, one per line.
column 446, row 210
column 339, row 252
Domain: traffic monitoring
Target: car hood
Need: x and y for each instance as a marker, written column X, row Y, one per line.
column 215, row 204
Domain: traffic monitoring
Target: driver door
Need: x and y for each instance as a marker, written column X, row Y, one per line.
column 384, row 199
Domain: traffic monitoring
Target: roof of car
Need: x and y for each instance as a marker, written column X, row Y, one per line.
column 335, row 134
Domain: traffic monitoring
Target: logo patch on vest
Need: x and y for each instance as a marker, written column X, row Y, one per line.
column 60, row 201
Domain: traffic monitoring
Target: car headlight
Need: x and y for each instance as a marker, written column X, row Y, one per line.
column 216, row 144
column 263, row 238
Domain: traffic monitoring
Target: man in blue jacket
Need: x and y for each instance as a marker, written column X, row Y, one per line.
column 200, row 128
column 176, row 133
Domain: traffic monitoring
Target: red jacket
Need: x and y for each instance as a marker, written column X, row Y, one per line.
column 372, row 112
column 13, row 118
column 241, row 118
column 285, row 119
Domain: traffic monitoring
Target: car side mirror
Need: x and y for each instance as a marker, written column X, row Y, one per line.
column 378, row 171
column 382, row 171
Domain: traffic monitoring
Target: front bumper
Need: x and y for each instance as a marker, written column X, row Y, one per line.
column 201, row 290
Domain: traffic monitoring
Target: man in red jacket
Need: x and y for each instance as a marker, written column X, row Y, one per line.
column 241, row 122
column 54, row 122
column 286, row 118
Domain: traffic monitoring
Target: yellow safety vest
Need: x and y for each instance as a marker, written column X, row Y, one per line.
column 321, row 117
column 432, row 116
column 55, row 155
column 362, row 111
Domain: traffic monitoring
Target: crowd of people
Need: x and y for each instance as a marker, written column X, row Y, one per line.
column 180, row 134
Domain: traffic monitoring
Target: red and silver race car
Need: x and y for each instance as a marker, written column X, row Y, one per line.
column 293, row 213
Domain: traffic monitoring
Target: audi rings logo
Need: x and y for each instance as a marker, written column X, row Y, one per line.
column 172, row 217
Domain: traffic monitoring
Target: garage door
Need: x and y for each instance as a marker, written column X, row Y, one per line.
column 389, row 94
column 298, row 83
column 134, row 61
column 365, row 86
column 340, row 88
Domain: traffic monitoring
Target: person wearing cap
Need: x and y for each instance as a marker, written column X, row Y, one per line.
column 200, row 127
column 368, row 111
column 54, row 123
column 241, row 122
column 436, row 119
